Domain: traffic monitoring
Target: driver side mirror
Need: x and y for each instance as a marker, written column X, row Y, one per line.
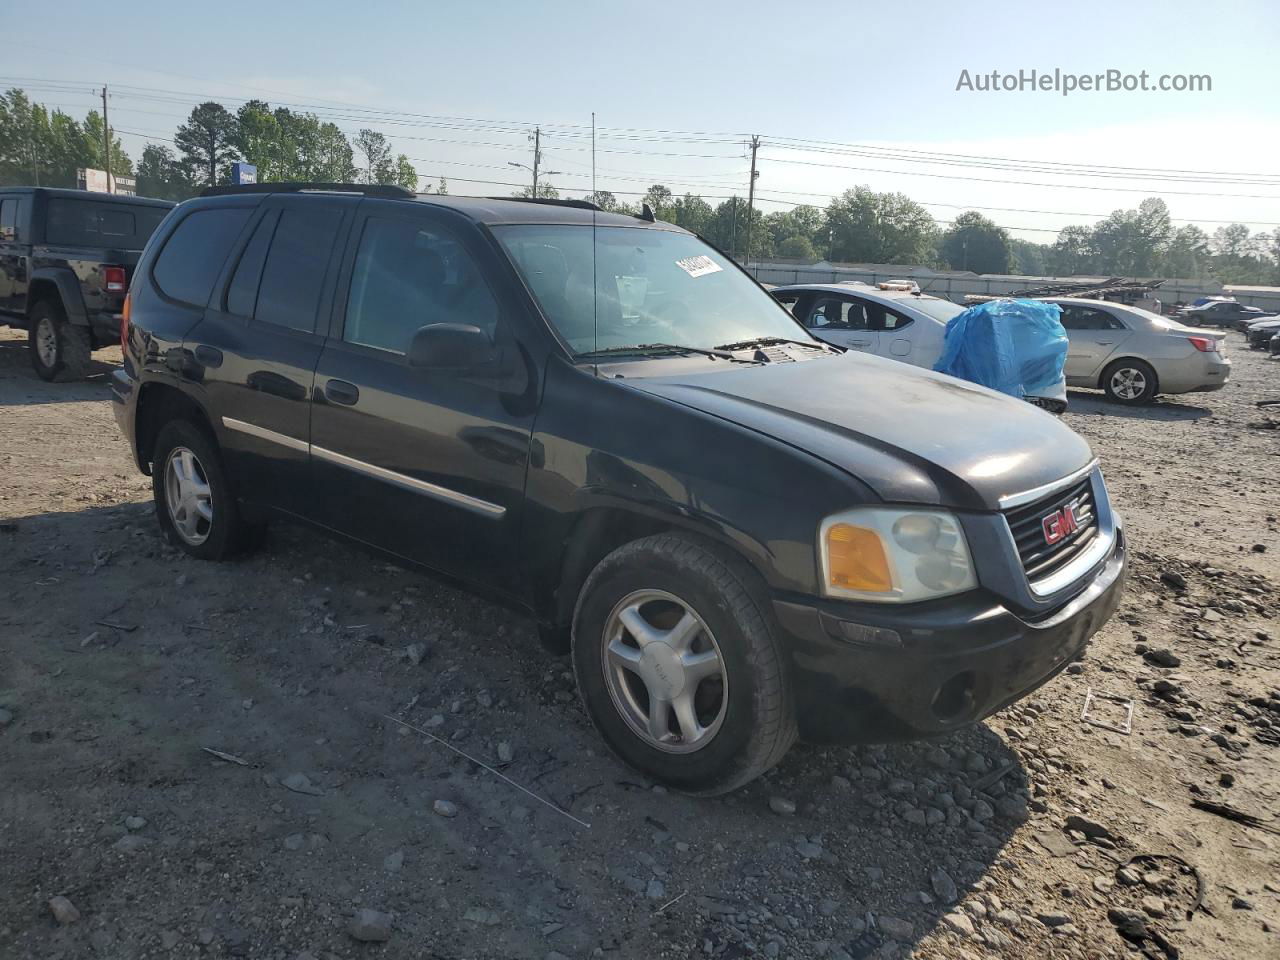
column 450, row 347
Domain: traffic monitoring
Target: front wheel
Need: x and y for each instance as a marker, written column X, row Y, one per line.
column 678, row 665
column 1130, row 381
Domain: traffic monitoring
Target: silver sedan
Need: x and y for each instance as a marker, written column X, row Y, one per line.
column 1134, row 354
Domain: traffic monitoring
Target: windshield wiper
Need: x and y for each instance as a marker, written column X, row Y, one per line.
column 769, row 342
column 655, row 350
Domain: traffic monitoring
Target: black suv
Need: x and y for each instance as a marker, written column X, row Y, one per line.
column 744, row 534
column 66, row 258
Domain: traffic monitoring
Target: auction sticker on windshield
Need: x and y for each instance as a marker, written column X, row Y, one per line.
column 699, row 266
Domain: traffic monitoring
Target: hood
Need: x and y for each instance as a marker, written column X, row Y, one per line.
column 912, row 435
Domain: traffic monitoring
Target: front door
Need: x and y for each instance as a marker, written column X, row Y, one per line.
column 427, row 465
column 1092, row 336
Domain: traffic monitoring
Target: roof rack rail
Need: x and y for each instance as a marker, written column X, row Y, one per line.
column 388, row 191
column 554, row 202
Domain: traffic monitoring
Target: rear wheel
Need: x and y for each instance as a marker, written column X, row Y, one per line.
column 678, row 665
column 1130, row 381
column 194, row 503
column 60, row 350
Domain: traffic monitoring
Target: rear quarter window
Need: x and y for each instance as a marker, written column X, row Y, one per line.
column 194, row 254
column 97, row 224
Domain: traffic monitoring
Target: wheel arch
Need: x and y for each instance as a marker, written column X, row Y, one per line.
column 158, row 403
column 61, row 285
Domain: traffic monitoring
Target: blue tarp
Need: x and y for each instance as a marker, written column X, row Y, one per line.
column 1018, row 347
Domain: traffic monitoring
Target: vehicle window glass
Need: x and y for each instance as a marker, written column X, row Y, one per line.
column 242, row 292
column 96, row 222
column 1085, row 318
column 789, row 301
column 8, row 219
column 296, row 266
column 409, row 274
column 837, row 313
column 194, row 254
column 626, row 286
column 895, row 321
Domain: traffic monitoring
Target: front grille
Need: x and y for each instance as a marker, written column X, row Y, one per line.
column 1026, row 523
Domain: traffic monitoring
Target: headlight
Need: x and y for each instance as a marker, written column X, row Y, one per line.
column 894, row 555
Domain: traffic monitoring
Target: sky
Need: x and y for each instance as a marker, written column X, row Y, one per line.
column 678, row 89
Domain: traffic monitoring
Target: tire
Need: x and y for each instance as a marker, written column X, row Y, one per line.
column 1130, row 382
column 745, row 711
column 60, row 350
column 218, row 532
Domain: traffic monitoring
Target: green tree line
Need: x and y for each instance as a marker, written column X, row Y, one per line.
column 38, row 145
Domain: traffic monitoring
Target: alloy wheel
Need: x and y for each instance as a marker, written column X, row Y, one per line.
column 1128, row 383
column 187, row 496
column 664, row 671
column 46, row 342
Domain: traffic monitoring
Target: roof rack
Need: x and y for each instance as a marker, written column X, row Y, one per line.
column 388, row 191
column 554, row 202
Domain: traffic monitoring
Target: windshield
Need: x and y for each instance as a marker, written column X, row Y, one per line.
column 651, row 286
column 935, row 307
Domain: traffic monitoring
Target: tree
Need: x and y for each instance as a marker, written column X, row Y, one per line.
column 659, row 198
column 442, row 188
column 1072, row 252
column 545, row 191
column 603, row 199
column 1232, row 241
column 798, row 246
column 1187, row 254
column 162, row 175
column 403, row 174
column 376, row 151
column 208, row 142
column 871, row 227
column 1029, row 259
column 691, row 212
column 974, row 242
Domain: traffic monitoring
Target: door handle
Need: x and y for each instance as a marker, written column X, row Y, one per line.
column 339, row 391
column 861, row 343
column 1105, row 343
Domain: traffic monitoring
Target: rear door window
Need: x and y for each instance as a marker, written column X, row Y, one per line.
column 297, row 266
column 194, row 254
column 125, row 226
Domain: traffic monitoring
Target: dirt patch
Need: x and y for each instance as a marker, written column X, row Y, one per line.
column 121, row 659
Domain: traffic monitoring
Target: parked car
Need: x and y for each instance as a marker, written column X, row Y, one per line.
column 1133, row 355
column 1260, row 332
column 66, row 257
column 741, row 535
column 1222, row 313
column 1275, row 345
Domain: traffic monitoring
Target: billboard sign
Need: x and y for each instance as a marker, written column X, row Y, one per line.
column 244, row 173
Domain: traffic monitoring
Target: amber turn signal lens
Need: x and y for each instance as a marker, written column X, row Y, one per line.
column 856, row 560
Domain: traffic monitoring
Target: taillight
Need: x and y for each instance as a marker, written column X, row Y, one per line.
column 113, row 279
column 1205, row 344
column 124, row 321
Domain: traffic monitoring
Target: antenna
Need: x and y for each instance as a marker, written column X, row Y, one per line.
column 595, row 284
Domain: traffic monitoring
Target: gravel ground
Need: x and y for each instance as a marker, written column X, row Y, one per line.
column 332, row 831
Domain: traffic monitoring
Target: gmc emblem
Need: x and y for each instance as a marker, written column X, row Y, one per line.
column 1059, row 524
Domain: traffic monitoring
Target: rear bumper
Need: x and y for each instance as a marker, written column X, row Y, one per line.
column 954, row 662
column 1194, row 375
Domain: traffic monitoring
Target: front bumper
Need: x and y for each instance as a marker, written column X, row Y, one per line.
column 955, row 661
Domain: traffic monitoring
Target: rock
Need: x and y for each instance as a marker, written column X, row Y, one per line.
column 1154, row 906
column 63, row 910
column 169, row 939
column 483, row 916
column 827, row 907
column 943, row 886
column 130, row 843
column 982, row 811
column 839, row 782
column 1237, row 903
column 896, row 928
column 6, row 717
column 1090, row 828
column 393, row 862
column 1075, row 668
column 415, row 653
column 916, row 817
column 939, row 758
column 1130, row 923
column 1053, row 918
column 370, row 926
column 1129, row 877
column 505, row 753
column 445, row 808
column 1163, row 657
column 960, row 923
column 1012, row 806
column 656, row 889
column 299, row 783
column 1173, row 579
column 782, row 806
column 294, row 841
column 1010, row 918
column 810, row 851
column 135, row 823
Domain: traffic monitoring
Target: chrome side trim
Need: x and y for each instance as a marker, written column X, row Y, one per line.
column 410, row 483
column 1035, row 493
column 262, row 433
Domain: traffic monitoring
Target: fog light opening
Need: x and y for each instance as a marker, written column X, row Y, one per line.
column 954, row 699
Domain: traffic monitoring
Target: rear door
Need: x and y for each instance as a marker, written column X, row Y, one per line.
column 257, row 348
column 844, row 321
column 1093, row 335
column 427, row 465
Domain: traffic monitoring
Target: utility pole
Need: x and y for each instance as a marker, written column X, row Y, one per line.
column 536, row 169
column 106, row 141
column 751, row 197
